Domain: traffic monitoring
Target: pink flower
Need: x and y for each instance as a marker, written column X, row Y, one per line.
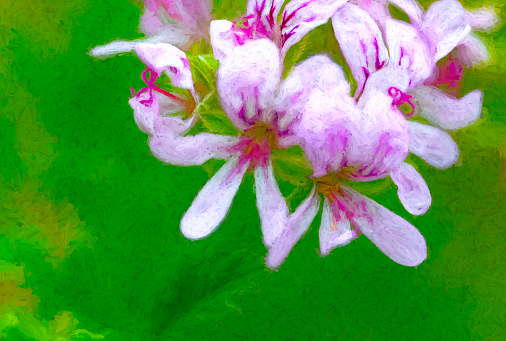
column 344, row 141
column 175, row 22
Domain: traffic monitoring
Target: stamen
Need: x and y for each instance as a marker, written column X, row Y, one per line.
column 400, row 98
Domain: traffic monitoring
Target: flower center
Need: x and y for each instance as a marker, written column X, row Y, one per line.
column 256, row 145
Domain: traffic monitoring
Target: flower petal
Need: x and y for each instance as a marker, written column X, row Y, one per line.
column 165, row 57
column 361, row 42
column 213, row 202
column 267, row 10
column 145, row 113
column 190, row 150
column 433, row 145
column 472, row 51
column 445, row 25
column 301, row 16
column 408, row 50
column 483, row 19
column 271, row 204
column 413, row 192
column 224, row 38
column 247, row 81
column 296, row 225
column 393, row 235
column 334, row 232
column 448, row 112
column 412, row 8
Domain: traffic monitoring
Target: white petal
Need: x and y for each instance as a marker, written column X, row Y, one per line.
column 361, row 42
column 301, row 16
column 213, row 202
column 224, row 38
column 413, row 192
column 145, row 113
column 484, row 19
column 167, row 58
column 408, row 50
column 190, row 150
column 297, row 224
column 445, row 25
column 247, row 81
column 333, row 231
column 393, row 235
column 270, row 202
column 472, row 51
column 267, row 10
column 447, row 111
column 433, row 145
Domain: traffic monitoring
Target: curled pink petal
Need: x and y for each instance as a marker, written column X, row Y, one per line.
column 413, row 192
column 433, row 145
column 448, row 112
column 213, row 202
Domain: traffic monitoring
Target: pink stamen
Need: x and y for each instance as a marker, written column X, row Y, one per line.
column 399, row 98
column 150, row 82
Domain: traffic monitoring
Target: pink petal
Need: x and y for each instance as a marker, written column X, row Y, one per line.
column 145, row 113
column 433, row 145
column 446, row 111
column 247, row 81
column 167, row 58
column 267, row 10
column 412, row 189
column 270, row 202
column 472, row 51
column 296, row 225
column 445, row 25
column 378, row 9
column 190, row 150
column 224, row 38
column 408, row 50
column 361, row 42
column 213, row 202
column 301, row 16
column 483, row 19
column 334, row 232
column 412, row 9
column 393, row 235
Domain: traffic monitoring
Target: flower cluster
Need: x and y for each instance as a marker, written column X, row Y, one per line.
column 406, row 73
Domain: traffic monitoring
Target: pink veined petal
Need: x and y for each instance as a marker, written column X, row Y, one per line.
column 445, row 25
column 433, row 145
column 483, row 19
column 361, row 42
column 312, row 77
column 393, row 235
column 413, row 192
column 301, row 16
column 334, row 232
column 169, row 59
column 296, row 225
column 472, row 51
column 448, row 112
column 190, row 150
column 247, row 80
column 271, row 204
column 267, row 10
column 412, row 8
column 213, row 202
column 224, row 38
column 408, row 50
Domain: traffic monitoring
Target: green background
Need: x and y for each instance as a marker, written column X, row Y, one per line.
column 90, row 246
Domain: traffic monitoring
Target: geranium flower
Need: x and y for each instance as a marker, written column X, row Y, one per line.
column 345, row 141
column 176, row 22
column 413, row 54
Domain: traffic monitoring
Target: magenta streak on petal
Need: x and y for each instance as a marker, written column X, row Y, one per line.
column 289, row 34
column 377, row 64
column 402, row 55
column 399, row 98
column 270, row 17
column 253, row 151
column 364, row 51
column 450, row 73
column 344, row 207
column 285, row 19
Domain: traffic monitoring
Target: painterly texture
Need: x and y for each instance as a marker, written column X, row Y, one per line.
column 90, row 245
